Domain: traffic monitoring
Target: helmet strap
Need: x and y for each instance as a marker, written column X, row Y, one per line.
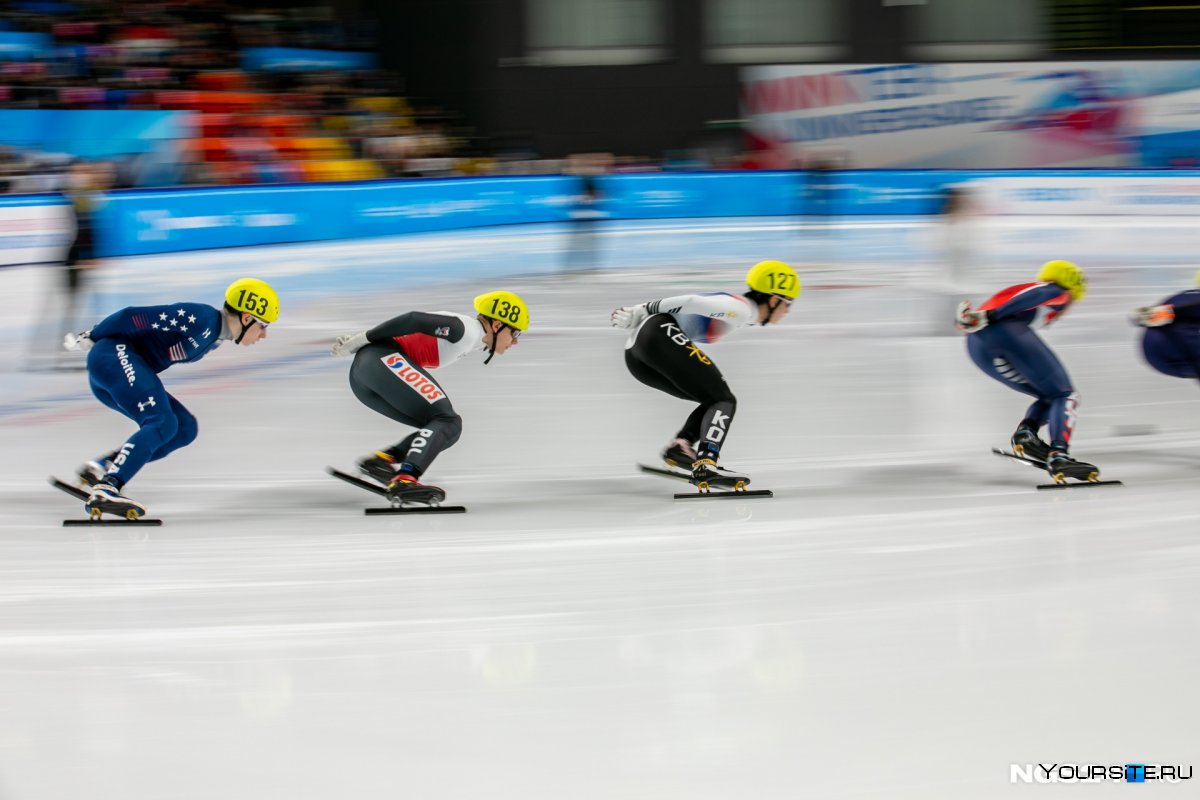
column 245, row 329
column 773, row 302
column 487, row 326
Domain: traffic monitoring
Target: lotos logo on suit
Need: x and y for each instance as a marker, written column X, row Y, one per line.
column 413, row 377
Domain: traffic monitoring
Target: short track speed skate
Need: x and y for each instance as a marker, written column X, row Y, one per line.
column 419, row 499
column 1066, row 472
column 122, row 515
column 727, row 483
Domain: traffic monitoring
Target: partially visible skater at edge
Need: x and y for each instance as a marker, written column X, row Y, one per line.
column 1171, row 342
column 125, row 353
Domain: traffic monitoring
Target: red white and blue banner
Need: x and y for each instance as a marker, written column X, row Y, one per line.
column 978, row 116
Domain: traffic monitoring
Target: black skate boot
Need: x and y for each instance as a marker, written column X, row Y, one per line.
column 707, row 475
column 379, row 466
column 1027, row 444
column 1061, row 466
column 405, row 488
column 680, row 454
column 107, row 499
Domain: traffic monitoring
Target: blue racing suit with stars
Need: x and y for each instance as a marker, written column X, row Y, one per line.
column 1009, row 350
column 131, row 347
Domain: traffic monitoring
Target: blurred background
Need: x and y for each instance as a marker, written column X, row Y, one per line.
column 905, row 618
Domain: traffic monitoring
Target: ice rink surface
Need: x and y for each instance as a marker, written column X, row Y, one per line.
column 906, row 618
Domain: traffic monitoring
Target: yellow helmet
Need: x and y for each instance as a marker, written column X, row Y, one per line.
column 504, row 306
column 254, row 297
column 774, row 277
column 1066, row 275
column 1198, row 278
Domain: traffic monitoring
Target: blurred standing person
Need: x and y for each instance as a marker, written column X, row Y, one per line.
column 587, row 211
column 84, row 192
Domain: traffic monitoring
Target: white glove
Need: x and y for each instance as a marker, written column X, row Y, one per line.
column 349, row 343
column 629, row 316
column 1154, row 316
column 969, row 321
column 78, row 341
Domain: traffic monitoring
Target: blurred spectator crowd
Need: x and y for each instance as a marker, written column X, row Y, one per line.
column 288, row 122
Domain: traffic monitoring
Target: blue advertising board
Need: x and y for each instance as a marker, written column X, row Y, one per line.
column 295, row 59
column 92, row 134
column 136, row 222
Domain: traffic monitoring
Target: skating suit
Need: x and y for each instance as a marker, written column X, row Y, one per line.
column 131, row 347
column 1010, row 351
column 1174, row 349
column 391, row 375
column 662, row 353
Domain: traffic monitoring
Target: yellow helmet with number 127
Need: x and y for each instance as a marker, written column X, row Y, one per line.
column 1066, row 275
column 504, row 306
column 254, row 297
column 774, row 277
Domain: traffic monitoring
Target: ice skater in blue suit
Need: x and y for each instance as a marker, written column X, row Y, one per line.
column 128, row 350
column 1171, row 343
column 1004, row 345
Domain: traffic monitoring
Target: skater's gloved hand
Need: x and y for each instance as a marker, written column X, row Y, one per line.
column 969, row 321
column 628, row 316
column 1154, row 316
column 78, row 341
column 349, row 344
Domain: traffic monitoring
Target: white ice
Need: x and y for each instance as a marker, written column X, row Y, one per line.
column 906, row 618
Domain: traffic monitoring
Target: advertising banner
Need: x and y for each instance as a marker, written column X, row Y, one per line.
column 295, row 59
column 133, row 223
column 978, row 115
column 92, row 134
column 34, row 229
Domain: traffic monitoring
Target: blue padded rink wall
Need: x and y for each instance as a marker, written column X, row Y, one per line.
column 905, row 619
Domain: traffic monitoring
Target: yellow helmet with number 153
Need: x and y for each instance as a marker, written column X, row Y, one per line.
column 254, row 297
column 774, row 277
column 504, row 306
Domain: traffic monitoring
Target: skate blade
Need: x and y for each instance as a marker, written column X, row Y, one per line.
column 415, row 510
column 1078, row 484
column 84, row 523
column 725, row 495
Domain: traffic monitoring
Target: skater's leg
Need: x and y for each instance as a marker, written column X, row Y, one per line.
column 122, row 380
column 185, row 432
column 1037, row 364
column 662, row 357
column 430, row 411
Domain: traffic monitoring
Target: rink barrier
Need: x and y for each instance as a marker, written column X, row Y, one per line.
column 139, row 222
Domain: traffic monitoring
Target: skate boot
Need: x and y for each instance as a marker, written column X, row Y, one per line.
column 1027, row 444
column 380, row 466
column 405, row 488
column 706, row 475
column 107, row 499
column 1061, row 466
column 92, row 472
column 680, row 454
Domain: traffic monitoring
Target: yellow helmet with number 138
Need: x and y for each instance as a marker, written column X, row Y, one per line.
column 505, row 307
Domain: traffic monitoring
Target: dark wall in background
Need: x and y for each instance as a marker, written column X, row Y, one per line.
column 469, row 56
